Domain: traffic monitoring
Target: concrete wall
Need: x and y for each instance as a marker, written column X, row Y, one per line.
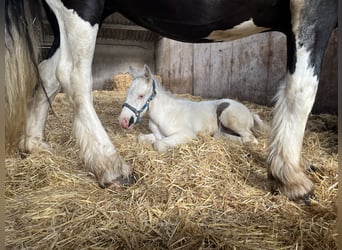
column 115, row 57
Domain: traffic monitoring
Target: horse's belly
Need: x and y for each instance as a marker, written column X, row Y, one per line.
column 244, row 29
column 207, row 20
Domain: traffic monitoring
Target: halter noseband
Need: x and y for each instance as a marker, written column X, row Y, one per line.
column 138, row 112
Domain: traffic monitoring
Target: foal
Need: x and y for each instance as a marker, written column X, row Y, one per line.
column 174, row 121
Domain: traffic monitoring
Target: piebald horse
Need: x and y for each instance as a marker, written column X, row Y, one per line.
column 174, row 121
column 307, row 25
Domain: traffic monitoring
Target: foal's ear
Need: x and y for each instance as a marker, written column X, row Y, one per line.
column 147, row 72
column 133, row 72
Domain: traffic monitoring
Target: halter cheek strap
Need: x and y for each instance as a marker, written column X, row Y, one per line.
column 145, row 106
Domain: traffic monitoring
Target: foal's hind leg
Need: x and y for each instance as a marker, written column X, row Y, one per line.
column 242, row 136
column 33, row 138
column 77, row 45
column 235, row 123
column 311, row 29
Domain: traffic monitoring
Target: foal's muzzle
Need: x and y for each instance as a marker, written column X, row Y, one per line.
column 135, row 112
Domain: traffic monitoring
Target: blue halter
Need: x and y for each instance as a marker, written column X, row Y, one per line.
column 138, row 112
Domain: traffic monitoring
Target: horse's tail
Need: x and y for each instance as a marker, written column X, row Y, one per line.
column 22, row 29
column 260, row 126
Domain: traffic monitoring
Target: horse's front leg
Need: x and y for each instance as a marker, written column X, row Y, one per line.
column 77, row 44
column 296, row 98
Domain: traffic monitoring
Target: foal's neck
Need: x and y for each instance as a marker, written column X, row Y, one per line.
column 162, row 100
column 162, row 92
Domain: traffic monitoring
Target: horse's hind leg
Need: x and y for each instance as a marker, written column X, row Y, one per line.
column 312, row 23
column 33, row 138
column 77, row 45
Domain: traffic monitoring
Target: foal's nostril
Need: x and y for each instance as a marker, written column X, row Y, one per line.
column 131, row 121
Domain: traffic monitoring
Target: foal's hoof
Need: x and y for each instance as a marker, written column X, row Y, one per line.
column 160, row 146
column 120, row 181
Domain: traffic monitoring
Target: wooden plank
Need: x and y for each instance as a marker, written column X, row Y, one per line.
column 249, row 68
column 162, row 56
column 181, row 67
column 174, row 64
column 123, row 27
column 236, row 69
column 277, row 69
column 220, row 70
column 201, row 69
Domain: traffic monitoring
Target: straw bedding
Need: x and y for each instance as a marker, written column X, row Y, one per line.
column 207, row 194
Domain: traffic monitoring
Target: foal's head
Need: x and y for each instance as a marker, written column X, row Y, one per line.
column 139, row 95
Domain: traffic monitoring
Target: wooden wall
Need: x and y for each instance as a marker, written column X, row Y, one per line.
column 247, row 69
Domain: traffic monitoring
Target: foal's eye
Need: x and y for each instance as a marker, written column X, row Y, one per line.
column 140, row 96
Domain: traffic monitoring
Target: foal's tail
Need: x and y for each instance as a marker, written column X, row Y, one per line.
column 21, row 60
column 260, row 126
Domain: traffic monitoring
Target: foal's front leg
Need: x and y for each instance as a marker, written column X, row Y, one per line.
column 161, row 142
column 147, row 138
column 173, row 140
column 155, row 135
